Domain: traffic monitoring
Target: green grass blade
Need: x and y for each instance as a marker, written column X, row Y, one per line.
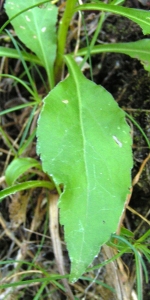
column 40, row 290
column 18, row 167
column 27, row 143
column 22, row 83
column 24, row 135
column 12, row 53
column 24, row 186
column 27, row 282
column 9, row 110
column 7, row 142
column 139, row 277
column 139, row 50
column 140, row 129
column 24, row 65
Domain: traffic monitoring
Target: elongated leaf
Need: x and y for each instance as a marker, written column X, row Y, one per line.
column 139, row 50
column 6, row 111
column 36, row 29
column 19, row 166
column 24, row 186
column 12, row 53
column 84, row 143
column 139, row 16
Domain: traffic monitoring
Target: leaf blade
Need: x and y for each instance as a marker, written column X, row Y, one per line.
column 139, row 50
column 36, row 29
column 19, row 166
column 85, row 129
column 12, row 53
column 24, row 186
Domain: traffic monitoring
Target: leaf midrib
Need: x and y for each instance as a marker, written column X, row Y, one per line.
column 83, row 141
column 48, row 64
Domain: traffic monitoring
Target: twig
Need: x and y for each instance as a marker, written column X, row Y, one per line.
column 54, row 230
column 21, row 245
column 137, row 177
column 135, row 181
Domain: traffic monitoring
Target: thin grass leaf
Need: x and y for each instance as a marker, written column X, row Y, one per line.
column 98, row 282
column 18, row 167
column 139, row 262
column 12, row 53
column 144, row 236
column 25, row 133
column 26, row 143
column 139, row 50
column 7, row 141
column 49, row 279
column 24, row 186
column 40, row 290
column 139, row 277
column 16, row 45
column 9, row 110
column 140, row 129
column 25, row 84
column 26, row 263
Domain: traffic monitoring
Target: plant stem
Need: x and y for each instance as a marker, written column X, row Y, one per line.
column 62, row 35
column 57, row 247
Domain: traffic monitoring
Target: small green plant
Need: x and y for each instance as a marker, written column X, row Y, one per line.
column 83, row 139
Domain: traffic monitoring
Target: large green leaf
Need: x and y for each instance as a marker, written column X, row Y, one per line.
column 36, row 29
column 84, row 143
column 139, row 16
column 139, row 50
